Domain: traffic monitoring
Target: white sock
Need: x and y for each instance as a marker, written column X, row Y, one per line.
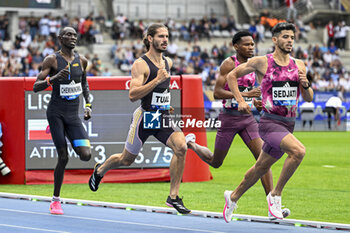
column 54, row 198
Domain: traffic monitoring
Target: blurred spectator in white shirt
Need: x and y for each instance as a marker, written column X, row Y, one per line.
column 44, row 26
column 322, row 84
column 47, row 51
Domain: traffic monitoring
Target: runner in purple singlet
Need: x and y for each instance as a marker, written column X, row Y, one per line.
column 282, row 80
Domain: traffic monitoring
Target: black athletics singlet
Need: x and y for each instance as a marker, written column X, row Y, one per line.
column 159, row 98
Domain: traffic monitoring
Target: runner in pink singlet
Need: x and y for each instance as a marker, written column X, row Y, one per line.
column 233, row 121
column 280, row 94
column 282, row 80
column 280, row 85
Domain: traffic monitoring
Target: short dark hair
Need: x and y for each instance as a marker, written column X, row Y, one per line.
column 151, row 31
column 237, row 37
column 276, row 30
column 63, row 30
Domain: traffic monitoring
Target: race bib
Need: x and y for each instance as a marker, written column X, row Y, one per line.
column 284, row 93
column 161, row 101
column 232, row 103
column 70, row 91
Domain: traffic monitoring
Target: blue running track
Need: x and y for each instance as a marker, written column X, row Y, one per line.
column 18, row 215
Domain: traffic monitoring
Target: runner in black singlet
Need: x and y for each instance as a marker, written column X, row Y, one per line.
column 150, row 83
column 65, row 72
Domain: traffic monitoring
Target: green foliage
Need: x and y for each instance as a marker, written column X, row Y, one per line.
column 319, row 190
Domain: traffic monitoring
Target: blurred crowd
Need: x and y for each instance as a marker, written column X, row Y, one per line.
column 325, row 69
column 23, row 56
column 37, row 38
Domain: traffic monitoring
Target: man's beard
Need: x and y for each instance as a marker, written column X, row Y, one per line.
column 284, row 50
column 70, row 46
column 157, row 47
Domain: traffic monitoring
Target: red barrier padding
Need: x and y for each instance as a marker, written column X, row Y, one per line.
column 12, row 121
column 192, row 104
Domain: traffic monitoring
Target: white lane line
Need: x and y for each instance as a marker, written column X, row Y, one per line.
column 32, row 228
column 114, row 221
column 328, row 166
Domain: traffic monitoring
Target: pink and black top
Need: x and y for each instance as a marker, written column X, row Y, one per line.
column 245, row 84
column 279, row 88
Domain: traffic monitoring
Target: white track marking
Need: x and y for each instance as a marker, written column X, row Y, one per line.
column 32, row 228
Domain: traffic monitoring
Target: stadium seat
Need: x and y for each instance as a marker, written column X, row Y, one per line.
column 307, row 28
column 225, row 33
column 245, row 26
column 239, row 26
column 216, row 33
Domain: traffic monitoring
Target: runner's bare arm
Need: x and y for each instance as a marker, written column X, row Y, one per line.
column 86, row 90
column 255, row 92
column 170, row 62
column 240, row 71
column 253, row 65
column 219, row 91
column 308, row 93
column 84, row 82
column 138, row 73
column 41, row 82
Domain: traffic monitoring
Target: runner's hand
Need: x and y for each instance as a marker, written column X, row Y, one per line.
column 256, row 92
column 257, row 104
column 244, row 107
column 171, row 110
column 162, row 74
column 61, row 75
column 87, row 113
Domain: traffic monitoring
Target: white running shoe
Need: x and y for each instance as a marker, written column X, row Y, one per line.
column 190, row 138
column 230, row 206
column 285, row 213
column 274, row 204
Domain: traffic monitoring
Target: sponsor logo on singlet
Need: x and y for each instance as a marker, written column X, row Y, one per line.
column 284, row 93
column 161, row 100
column 232, row 103
column 70, row 91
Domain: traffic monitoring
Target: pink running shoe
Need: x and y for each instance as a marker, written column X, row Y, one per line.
column 55, row 207
column 48, row 131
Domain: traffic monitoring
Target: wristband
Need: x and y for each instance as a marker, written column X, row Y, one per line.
column 88, row 106
column 48, row 81
column 308, row 86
